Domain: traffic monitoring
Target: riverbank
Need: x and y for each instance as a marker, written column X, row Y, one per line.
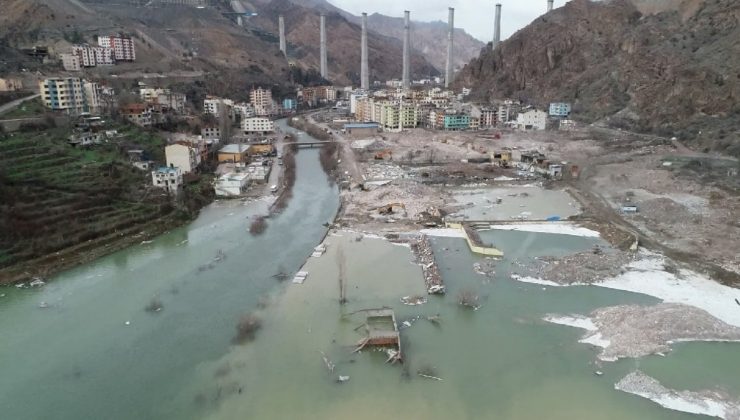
column 50, row 265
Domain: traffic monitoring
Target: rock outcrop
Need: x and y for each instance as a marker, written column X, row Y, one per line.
column 674, row 71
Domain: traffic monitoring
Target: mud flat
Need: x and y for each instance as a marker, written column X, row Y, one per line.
column 710, row 403
column 631, row 331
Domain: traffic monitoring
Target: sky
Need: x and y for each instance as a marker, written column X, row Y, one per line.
column 475, row 16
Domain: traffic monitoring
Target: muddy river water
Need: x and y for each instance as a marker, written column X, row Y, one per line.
column 95, row 352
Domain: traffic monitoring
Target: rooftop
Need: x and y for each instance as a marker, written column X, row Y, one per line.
column 234, row 148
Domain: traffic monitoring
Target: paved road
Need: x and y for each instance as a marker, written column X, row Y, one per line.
column 13, row 104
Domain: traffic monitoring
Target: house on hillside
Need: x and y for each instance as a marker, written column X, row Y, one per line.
column 139, row 114
column 182, row 156
column 168, row 178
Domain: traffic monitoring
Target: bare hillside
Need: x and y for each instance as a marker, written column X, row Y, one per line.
column 673, row 73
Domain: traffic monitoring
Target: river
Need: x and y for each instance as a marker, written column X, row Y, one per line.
column 78, row 359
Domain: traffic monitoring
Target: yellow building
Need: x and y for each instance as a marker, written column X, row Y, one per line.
column 235, row 153
column 260, row 149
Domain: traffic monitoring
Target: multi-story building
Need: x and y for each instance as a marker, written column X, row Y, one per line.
column 244, row 110
column 181, row 156
column 93, row 94
column 533, row 119
column 259, row 125
column 507, row 111
column 290, row 104
column 211, row 133
column 456, row 122
column 261, row 100
column 163, row 99
column 168, row 178
column 69, row 94
column 90, row 56
column 214, row 105
column 139, row 114
column 122, row 46
column 560, row 109
column 364, row 109
column 71, row 62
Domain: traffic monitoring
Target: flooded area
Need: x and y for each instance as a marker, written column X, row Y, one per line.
column 519, row 203
column 501, row 359
column 93, row 351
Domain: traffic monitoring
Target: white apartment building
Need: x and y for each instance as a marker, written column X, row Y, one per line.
column 69, row 94
column 181, row 156
column 257, row 125
column 167, row 178
column 165, row 98
column 91, row 56
column 533, row 119
column 71, row 62
column 122, row 46
column 213, row 105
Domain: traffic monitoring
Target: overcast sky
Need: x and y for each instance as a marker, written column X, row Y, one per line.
column 475, row 16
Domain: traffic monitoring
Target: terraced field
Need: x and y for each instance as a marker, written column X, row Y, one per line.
column 54, row 197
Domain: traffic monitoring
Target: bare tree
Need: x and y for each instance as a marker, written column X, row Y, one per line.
column 342, row 265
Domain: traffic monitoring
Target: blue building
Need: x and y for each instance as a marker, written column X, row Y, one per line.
column 289, row 103
column 560, row 109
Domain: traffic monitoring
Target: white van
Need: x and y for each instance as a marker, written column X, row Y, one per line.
column 274, row 188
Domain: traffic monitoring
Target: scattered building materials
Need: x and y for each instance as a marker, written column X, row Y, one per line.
column 422, row 248
column 382, row 331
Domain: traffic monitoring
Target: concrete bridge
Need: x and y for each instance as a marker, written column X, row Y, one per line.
column 307, row 143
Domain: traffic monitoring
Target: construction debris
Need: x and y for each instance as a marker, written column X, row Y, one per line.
column 422, row 248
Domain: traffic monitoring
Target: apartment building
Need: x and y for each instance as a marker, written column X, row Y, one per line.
column 257, row 125
column 71, row 62
column 122, row 46
column 262, row 103
column 70, row 94
column 214, row 105
column 91, row 56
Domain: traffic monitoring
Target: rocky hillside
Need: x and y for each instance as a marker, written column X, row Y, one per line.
column 170, row 39
column 673, row 71
column 429, row 38
column 343, row 38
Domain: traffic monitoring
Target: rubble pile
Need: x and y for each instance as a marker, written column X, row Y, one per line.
column 581, row 268
column 635, row 331
column 668, row 211
column 422, row 249
column 709, row 402
column 382, row 172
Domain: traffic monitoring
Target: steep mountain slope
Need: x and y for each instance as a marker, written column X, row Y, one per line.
column 429, row 38
column 343, row 43
column 672, row 73
column 169, row 38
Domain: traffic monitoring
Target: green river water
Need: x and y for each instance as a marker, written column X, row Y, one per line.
column 77, row 359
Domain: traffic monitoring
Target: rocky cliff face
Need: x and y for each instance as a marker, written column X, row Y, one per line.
column 674, row 71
